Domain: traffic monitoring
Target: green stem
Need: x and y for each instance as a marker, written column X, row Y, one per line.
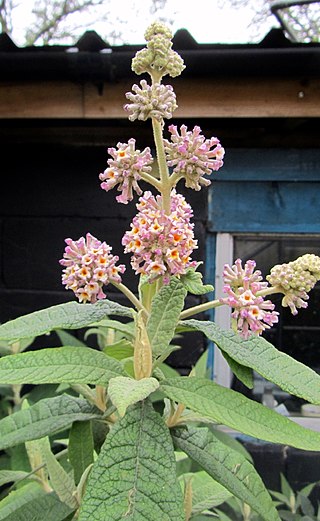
column 151, row 180
column 162, row 163
column 200, row 308
column 130, row 296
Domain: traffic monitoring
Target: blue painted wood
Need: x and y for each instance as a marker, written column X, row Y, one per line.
column 270, row 164
column 210, row 275
column 265, row 207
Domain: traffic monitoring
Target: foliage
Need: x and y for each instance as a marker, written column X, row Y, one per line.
column 110, row 431
column 292, row 506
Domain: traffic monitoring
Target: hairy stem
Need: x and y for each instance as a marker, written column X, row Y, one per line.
column 162, row 163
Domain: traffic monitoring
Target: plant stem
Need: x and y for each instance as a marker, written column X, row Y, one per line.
column 130, row 296
column 162, row 163
column 200, row 308
column 151, row 180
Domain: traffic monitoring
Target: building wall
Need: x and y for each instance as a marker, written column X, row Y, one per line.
column 53, row 192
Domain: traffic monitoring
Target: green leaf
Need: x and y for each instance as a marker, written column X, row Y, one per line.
column 164, row 316
column 69, row 340
column 134, row 477
column 192, row 281
column 124, row 391
column 80, row 447
column 61, row 482
column 63, row 316
column 228, row 407
column 206, row 491
column 119, row 350
column 127, row 329
column 31, row 503
column 59, row 365
column 243, row 373
column 46, row 417
column 231, row 442
column 11, row 476
column 228, row 467
column 277, row 367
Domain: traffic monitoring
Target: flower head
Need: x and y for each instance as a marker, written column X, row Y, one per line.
column 158, row 58
column 192, row 156
column 295, row 280
column 161, row 244
column 89, row 266
column 125, row 169
column 157, row 101
column 251, row 312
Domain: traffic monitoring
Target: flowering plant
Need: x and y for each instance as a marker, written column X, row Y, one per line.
column 129, row 422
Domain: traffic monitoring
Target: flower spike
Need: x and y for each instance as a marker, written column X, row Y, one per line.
column 125, row 169
column 89, row 266
column 251, row 313
column 192, row 156
column 161, row 244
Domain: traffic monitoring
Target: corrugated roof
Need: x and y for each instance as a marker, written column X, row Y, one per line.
column 92, row 58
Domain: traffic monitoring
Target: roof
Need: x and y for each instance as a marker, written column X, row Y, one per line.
column 93, row 59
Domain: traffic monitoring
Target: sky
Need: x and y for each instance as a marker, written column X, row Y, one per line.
column 204, row 19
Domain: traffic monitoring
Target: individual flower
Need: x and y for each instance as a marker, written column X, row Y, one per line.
column 89, row 266
column 155, row 101
column 192, row 155
column 161, row 244
column 295, row 280
column 125, row 169
column 251, row 313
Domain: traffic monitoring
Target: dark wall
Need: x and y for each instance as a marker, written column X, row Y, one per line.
column 53, row 192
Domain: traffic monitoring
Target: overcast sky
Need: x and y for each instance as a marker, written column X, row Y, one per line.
column 203, row 18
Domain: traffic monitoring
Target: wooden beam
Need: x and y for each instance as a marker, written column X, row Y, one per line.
column 197, row 98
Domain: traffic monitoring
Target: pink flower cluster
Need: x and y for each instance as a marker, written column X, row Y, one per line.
column 251, row 312
column 161, row 244
column 150, row 101
column 89, row 265
column 125, row 170
column 193, row 156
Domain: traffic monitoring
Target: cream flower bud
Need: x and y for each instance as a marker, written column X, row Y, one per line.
column 295, row 280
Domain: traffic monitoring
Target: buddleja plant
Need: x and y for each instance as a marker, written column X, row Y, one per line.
column 125, row 423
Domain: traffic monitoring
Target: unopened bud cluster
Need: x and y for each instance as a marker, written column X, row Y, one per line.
column 295, row 280
column 158, row 56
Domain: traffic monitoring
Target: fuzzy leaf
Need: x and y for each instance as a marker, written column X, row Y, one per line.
column 134, row 477
column 70, row 315
column 277, row 367
column 59, row 365
column 164, row 316
column 44, row 418
column 80, row 448
column 62, row 483
column 31, row 503
column 228, row 467
column 124, row 391
column 192, row 281
column 228, row 407
column 119, row 350
column 11, row 476
column 206, row 491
